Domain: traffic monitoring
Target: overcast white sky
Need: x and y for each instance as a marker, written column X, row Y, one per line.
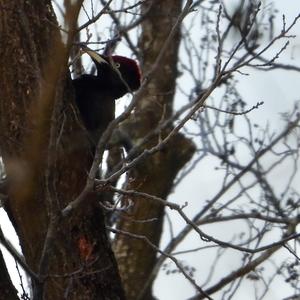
column 279, row 90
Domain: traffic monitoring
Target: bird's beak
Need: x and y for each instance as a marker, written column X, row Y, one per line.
column 94, row 55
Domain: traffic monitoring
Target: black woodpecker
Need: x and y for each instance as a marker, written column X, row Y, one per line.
column 95, row 95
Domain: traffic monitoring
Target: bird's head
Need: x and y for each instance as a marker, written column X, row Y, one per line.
column 129, row 70
column 122, row 71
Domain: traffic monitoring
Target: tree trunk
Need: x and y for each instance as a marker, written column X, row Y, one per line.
column 154, row 176
column 46, row 155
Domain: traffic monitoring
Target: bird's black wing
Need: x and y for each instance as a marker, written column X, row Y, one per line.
column 95, row 104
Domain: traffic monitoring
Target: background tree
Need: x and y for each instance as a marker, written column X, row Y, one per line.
column 62, row 210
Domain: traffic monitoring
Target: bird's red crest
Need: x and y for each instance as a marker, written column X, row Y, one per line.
column 130, row 64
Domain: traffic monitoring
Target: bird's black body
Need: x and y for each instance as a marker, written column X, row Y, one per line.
column 95, row 95
column 96, row 106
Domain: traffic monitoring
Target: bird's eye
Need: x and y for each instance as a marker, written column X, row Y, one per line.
column 117, row 65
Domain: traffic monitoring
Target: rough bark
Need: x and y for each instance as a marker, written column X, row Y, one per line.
column 156, row 175
column 46, row 155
